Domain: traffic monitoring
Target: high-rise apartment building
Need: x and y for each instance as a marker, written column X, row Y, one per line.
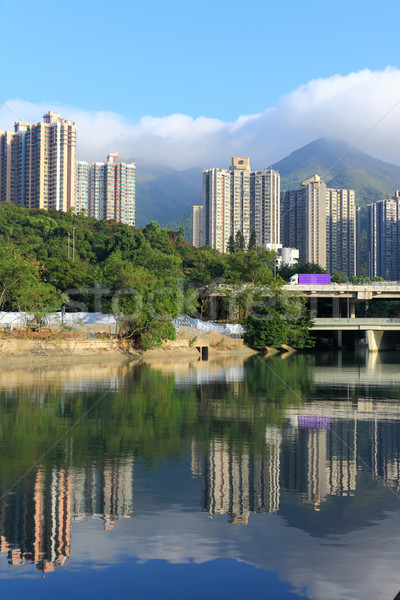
column 240, row 197
column 237, row 199
column 341, row 231
column 37, row 163
column 106, row 190
column 322, row 224
column 198, row 227
column 265, row 206
column 217, row 208
column 384, row 238
column 82, row 187
column 303, row 220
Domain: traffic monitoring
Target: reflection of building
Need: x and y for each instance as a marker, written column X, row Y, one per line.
column 384, row 440
column 325, row 461
column 236, row 484
column 314, row 455
column 103, row 491
column 35, row 522
column 36, row 527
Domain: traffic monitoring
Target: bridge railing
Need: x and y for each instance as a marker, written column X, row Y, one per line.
column 355, row 321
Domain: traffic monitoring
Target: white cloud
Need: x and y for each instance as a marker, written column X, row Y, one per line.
column 345, row 107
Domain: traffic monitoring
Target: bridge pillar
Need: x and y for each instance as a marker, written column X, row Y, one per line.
column 352, row 307
column 335, row 307
column 314, row 305
column 381, row 340
column 338, row 338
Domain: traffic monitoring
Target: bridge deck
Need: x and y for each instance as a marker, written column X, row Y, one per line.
column 387, row 290
column 348, row 324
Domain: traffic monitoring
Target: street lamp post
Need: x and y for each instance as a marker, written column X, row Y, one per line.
column 69, row 237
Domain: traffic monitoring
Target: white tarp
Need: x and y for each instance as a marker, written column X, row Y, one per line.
column 222, row 328
column 79, row 318
column 86, row 318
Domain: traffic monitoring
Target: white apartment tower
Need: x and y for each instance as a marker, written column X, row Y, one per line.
column 265, row 214
column 240, row 197
column 341, row 231
column 237, row 199
column 37, row 163
column 322, row 224
column 315, row 217
column 217, row 208
column 106, row 190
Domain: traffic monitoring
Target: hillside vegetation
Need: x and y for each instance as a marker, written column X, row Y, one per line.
column 148, row 276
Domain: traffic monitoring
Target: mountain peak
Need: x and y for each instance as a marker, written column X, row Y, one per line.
column 340, row 165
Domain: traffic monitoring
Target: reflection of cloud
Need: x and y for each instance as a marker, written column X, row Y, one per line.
column 344, row 107
column 361, row 565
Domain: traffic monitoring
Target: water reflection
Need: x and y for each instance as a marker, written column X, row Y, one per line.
column 296, row 438
column 35, row 521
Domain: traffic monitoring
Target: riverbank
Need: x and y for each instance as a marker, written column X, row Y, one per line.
column 18, row 351
column 190, row 342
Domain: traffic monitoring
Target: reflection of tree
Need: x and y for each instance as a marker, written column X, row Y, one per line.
column 145, row 415
column 241, row 412
column 246, row 441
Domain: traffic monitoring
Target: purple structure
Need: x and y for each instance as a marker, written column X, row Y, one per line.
column 313, row 422
column 314, row 278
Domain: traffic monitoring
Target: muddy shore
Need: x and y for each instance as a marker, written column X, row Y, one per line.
column 21, row 351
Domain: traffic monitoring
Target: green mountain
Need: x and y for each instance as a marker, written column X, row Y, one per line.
column 165, row 195
column 340, row 166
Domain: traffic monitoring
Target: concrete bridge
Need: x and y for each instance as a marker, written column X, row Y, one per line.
column 379, row 334
column 388, row 290
column 338, row 302
column 344, row 296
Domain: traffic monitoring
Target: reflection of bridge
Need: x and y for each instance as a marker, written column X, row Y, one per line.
column 380, row 334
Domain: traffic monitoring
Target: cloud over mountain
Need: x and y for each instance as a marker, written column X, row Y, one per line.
column 361, row 108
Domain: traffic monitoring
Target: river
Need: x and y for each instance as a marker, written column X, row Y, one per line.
column 273, row 478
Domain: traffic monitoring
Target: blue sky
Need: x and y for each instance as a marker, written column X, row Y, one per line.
column 218, row 60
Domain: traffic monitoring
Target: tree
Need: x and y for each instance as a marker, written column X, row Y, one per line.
column 277, row 319
column 180, row 234
column 231, row 244
column 339, row 277
column 240, row 244
column 252, row 241
column 266, row 329
column 16, row 274
column 255, row 266
column 287, row 271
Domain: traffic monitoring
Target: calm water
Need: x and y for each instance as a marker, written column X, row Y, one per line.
column 265, row 478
